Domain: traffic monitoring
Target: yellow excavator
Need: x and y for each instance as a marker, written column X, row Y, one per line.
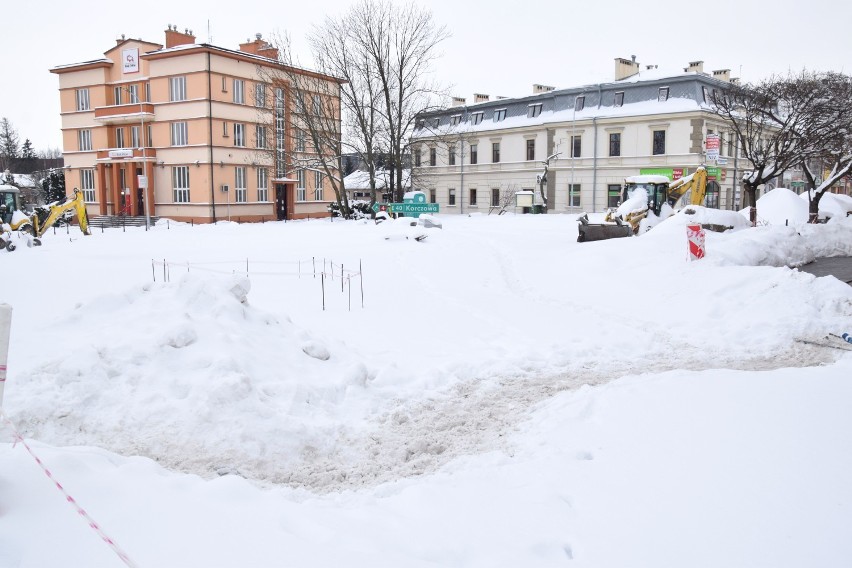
column 642, row 195
column 35, row 225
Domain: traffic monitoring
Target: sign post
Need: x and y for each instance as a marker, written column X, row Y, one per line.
column 711, row 145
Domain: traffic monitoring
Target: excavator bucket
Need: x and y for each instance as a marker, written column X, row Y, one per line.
column 601, row 231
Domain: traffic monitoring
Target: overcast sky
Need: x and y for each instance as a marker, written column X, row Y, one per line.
column 497, row 48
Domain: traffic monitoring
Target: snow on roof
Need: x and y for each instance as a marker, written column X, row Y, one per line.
column 69, row 65
column 360, row 179
column 648, row 178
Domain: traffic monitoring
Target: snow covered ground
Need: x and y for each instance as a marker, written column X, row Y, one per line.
column 506, row 396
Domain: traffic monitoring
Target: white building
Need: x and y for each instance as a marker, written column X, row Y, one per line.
column 470, row 157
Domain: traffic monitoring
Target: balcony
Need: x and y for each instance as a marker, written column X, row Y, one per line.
column 132, row 113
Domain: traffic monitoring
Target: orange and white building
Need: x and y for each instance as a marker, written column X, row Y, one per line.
column 190, row 131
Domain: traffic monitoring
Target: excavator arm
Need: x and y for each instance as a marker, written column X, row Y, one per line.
column 56, row 210
column 697, row 182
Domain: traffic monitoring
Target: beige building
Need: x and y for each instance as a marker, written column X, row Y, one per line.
column 474, row 157
column 203, row 127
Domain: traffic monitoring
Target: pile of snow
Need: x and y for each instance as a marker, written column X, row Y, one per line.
column 780, row 206
column 831, row 204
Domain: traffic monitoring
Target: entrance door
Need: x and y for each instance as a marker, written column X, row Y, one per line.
column 281, row 201
column 140, row 202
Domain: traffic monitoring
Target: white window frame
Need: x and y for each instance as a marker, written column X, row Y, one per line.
column 301, row 193
column 179, row 134
column 318, row 179
column 262, row 184
column 133, row 93
column 180, row 184
column 87, row 184
column 499, row 115
column 300, row 140
column 239, row 134
column 239, row 92
column 83, row 102
column 134, row 137
column 260, row 136
column 534, row 110
column 260, row 95
column 177, row 89
column 240, row 192
column 119, row 138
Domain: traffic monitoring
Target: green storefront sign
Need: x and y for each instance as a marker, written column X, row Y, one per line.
column 713, row 172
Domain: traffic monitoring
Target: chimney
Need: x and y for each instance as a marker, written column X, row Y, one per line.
column 695, row 67
column 259, row 47
column 459, row 101
column 722, row 75
column 537, row 89
column 735, row 81
column 625, row 68
column 119, row 41
column 650, row 67
column 480, row 98
column 174, row 37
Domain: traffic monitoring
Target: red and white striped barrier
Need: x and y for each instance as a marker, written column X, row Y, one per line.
column 695, row 238
column 80, row 511
column 5, row 330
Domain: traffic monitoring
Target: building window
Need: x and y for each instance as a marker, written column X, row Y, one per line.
column 476, row 117
column 416, row 157
column 499, row 115
column 613, row 195
column 706, row 92
column 534, row 110
column 573, row 195
column 472, row 192
column 260, row 136
column 84, row 140
column 87, row 184
column 300, row 140
column 179, row 134
column 117, row 95
column 240, row 193
column 580, row 102
column 495, row 152
column 260, row 95
column 619, row 98
column 432, row 196
column 82, row 99
column 119, row 138
column 615, row 144
column 576, row 146
column 663, row 94
column 452, row 154
column 451, row 199
column 316, row 105
column 262, row 184
column 134, row 137
column 239, row 91
column 280, row 133
column 133, row 91
column 147, row 92
column 659, row 142
column 495, row 197
column 455, row 119
column 433, row 157
column 148, row 130
column 177, row 89
column 224, row 84
column 301, row 194
column 530, row 149
column 180, row 184
column 318, row 179
column 474, row 153
column 239, row 134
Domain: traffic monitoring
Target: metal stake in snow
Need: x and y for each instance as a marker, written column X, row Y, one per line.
column 5, row 329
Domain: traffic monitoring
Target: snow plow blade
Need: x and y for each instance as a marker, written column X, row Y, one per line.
column 599, row 232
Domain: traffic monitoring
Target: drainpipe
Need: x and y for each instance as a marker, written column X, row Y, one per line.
column 210, row 133
column 595, row 167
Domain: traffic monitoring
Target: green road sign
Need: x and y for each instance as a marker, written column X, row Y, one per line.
column 407, row 209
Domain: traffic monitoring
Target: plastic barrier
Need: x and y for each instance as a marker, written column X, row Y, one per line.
column 695, row 237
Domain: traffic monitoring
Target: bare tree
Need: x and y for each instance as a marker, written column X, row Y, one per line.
column 314, row 131
column 402, row 41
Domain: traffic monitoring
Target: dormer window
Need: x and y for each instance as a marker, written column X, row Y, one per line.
column 663, row 95
column 499, row 115
column 534, row 110
column 455, row 119
column 580, row 102
column 619, row 98
column 476, row 117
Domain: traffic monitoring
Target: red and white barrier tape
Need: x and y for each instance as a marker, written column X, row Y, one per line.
column 80, row 511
